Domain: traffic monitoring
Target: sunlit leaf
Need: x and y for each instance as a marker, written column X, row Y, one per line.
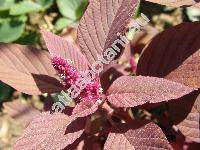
column 50, row 131
column 72, row 9
column 62, row 23
column 101, row 23
column 174, row 54
column 45, row 4
column 24, row 7
column 60, row 47
column 11, row 28
column 193, row 13
column 137, row 136
column 128, row 91
column 6, row 4
column 27, row 69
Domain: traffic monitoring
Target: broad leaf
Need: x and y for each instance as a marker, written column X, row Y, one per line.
column 128, row 91
column 24, row 7
column 27, row 69
column 60, row 47
column 100, row 24
column 50, row 131
column 177, row 3
column 193, row 14
column 45, row 4
column 185, row 113
column 11, row 28
column 6, row 4
column 72, row 9
column 62, row 23
column 84, row 109
column 137, row 137
column 174, row 54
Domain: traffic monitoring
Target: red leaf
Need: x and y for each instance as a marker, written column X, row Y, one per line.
column 61, row 47
column 177, row 3
column 185, row 113
column 100, row 24
column 84, row 109
column 24, row 113
column 27, row 69
column 138, row 137
column 174, row 54
column 50, row 131
column 129, row 91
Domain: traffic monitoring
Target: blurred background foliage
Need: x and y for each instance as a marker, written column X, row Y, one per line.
column 21, row 20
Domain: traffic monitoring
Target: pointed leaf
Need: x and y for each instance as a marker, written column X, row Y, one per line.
column 135, row 137
column 128, row 91
column 60, row 47
column 100, row 24
column 185, row 113
column 27, row 69
column 174, row 54
column 50, row 131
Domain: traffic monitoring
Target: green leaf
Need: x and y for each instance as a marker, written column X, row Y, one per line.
column 62, row 23
column 72, row 9
column 45, row 4
column 5, row 91
column 193, row 13
column 24, row 7
column 11, row 28
column 6, row 4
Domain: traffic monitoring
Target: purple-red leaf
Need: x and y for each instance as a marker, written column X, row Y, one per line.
column 84, row 109
column 50, row 131
column 58, row 46
column 100, row 24
column 185, row 112
column 174, row 54
column 137, row 137
column 27, row 69
column 129, row 91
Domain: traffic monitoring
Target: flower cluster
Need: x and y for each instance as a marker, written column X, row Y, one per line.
column 92, row 91
column 66, row 71
column 69, row 75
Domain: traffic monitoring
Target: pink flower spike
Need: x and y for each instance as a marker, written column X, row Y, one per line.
column 67, row 72
column 92, row 92
column 70, row 75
